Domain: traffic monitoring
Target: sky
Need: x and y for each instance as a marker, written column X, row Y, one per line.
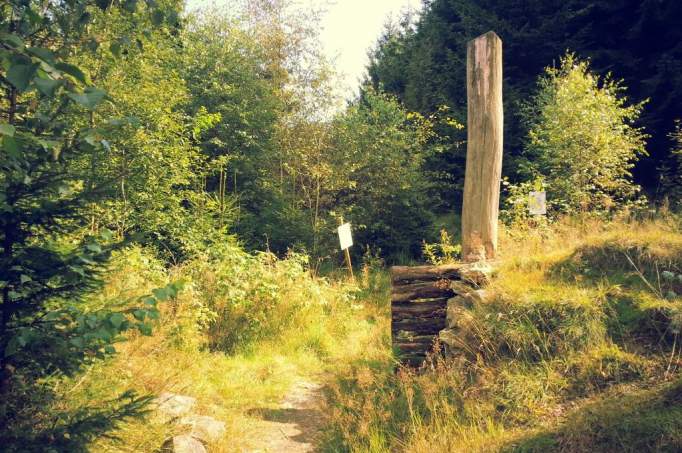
column 349, row 28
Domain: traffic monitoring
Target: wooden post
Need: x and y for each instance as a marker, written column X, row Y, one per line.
column 346, row 253
column 484, row 148
column 349, row 265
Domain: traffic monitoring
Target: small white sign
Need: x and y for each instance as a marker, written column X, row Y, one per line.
column 537, row 203
column 345, row 237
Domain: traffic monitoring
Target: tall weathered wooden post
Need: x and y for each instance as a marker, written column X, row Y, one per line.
column 484, row 148
column 425, row 299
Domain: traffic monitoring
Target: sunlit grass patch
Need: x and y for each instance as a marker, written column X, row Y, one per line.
column 573, row 316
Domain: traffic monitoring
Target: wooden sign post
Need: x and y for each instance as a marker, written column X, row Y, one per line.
column 346, row 241
column 480, row 206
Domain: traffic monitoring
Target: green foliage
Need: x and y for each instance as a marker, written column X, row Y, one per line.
column 41, row 423
column 581, row 139
column 671, row 174
column 48, row 264
column 155, row 168
column 516, row 204
column 379, row 149
column 443, row 252
column 253, row 297
column 423, row 62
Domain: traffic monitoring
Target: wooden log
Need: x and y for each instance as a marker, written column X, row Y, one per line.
column 404, row 275
column 414, row 355
column 418, row 308
column 484, row 148
column 412, row 323
column 434, row 315
column 430, row 327
column 431, row 313
column 411, row 337
column 406, row 347
column 423, row 343
column 437, row 289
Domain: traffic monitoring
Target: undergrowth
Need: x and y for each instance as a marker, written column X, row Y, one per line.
column 243, row 330
column 575, row 349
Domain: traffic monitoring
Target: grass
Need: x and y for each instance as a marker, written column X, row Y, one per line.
column 238, row 337
column 577, row 341
column 576, row 349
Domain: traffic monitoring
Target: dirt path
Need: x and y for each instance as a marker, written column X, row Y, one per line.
column 295, row 425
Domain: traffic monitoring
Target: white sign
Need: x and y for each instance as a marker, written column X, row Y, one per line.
column 345, row 237
column 537, row 203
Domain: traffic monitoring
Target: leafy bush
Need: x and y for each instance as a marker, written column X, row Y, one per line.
column 582, row 139
column 250, row 297
column 48, row 264
column 443, row 252
column 672, row 174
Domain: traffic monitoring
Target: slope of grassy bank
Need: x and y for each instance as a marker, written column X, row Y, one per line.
column 576, row 349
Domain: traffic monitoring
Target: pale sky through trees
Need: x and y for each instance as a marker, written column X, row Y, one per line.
column 349, row 29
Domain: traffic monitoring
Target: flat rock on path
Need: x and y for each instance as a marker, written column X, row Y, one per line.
column 295, row 425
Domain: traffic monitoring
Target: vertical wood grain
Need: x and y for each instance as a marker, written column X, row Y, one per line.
column 484, row 148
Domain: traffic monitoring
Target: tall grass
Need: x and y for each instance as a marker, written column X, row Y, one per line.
column 242, row 332
column 577, row 316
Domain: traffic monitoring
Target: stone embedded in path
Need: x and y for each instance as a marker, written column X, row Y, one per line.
column 204, row 427
column 172, row 405
column 185, row 444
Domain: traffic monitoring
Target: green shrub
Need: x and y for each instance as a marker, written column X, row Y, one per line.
column 250, row 297
column 582, row 139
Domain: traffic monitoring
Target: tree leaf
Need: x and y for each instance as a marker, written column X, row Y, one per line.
column 7, row 129
column 115, row 48
column 103, row 334
column 47, row 86
column 161, row 294
column 20, row 75
column 73, row 71
column 145, row 329
column 44, row 54
column 90, row 98
column 149, row 301
column 140, row 314
column 130, row 5
column 11, row 147
column 116, row 319
column 157, row 17
column 13, row 41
